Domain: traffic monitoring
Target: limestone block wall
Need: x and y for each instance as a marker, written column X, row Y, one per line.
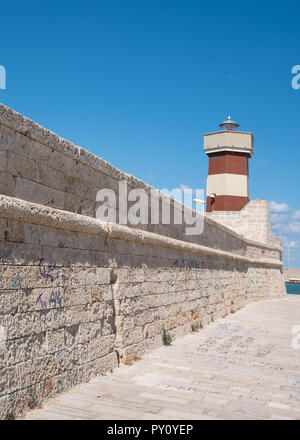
column 79, row 295
column 253, row 221
column 38, row 166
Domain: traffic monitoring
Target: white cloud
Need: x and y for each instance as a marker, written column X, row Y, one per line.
column 285, row 221
column 277, row 226
column 286, row 227
column 293, row 244
column 290, row 244
column 279, row 218
column 278, row 207
column 294, row 227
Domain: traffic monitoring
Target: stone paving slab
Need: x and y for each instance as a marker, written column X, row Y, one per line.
column 240, row 367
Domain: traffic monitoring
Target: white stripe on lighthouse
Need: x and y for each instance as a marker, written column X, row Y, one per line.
column 228, row 185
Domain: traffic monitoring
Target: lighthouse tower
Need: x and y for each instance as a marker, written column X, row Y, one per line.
column 228, row 174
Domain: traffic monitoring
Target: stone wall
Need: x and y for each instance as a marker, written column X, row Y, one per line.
column 253, row 221
column 78, row 295
column 291, row 274
column 38, row 166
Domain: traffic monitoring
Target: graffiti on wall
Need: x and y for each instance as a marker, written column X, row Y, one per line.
column 17, row 281
column 4, row 256
column 53, row 298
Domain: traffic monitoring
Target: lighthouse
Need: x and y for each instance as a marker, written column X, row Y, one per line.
column 228, row 174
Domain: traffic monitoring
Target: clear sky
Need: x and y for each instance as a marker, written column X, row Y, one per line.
column 138, row 82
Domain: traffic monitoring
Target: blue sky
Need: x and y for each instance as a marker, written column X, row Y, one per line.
column 139, row 82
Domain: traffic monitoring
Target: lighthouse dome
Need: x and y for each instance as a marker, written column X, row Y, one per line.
column 229, row 125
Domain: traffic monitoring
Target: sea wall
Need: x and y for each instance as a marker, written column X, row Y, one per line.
column 79, row 295
column 291, row 274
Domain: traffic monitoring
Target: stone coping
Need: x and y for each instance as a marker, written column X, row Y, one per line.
column 28, row 212
column 23, row 125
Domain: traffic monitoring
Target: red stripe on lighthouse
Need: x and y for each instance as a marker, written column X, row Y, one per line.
column 226, row 203
column 229, row 163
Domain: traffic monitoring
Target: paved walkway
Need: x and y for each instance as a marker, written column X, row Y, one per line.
column 240, row 367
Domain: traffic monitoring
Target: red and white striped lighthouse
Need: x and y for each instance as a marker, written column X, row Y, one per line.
column 228, row 174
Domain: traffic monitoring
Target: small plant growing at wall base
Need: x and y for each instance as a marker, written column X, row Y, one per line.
column 32, row 399
column 166, row 338
column 10, row 416
column 195, row 327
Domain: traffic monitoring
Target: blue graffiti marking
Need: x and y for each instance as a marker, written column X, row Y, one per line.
column 47, row 271
column 17, row 281
column 5, row 256
column 41, row 301
column 57, row 299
